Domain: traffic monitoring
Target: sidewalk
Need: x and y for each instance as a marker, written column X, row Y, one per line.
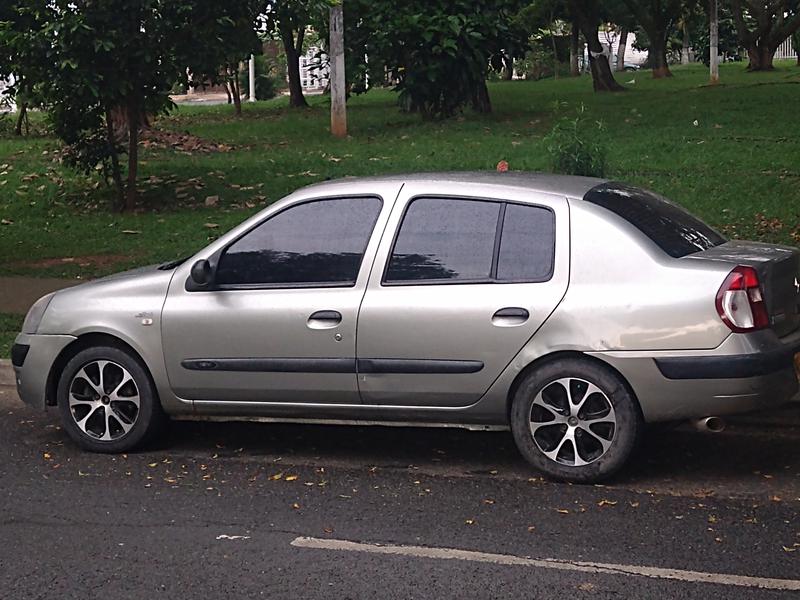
column 18, row 293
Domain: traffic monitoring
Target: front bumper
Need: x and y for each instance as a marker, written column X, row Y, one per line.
column 32, row 358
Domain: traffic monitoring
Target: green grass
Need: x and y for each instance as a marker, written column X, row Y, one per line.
column 10, row 326
column 738, row 167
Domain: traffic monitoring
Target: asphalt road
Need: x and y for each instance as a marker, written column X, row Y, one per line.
column 247, row 510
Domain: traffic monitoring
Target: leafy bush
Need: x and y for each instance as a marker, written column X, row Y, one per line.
column 577, row 146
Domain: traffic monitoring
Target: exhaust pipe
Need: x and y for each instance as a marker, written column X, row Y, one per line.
column 709, row 424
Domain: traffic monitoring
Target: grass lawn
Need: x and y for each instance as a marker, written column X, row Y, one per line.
column 730, row 153
column 10, row 326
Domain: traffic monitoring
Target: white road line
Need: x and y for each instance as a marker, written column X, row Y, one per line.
column 766, row 583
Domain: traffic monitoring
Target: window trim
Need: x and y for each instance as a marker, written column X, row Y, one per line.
column 217, row 256
column 495, row 252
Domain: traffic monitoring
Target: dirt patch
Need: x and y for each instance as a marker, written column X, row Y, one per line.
column 94, row 261
column 180, row 142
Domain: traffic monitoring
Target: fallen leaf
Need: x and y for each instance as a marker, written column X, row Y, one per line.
column 296, row 506
column 562, row 511
column 152, row 465
column 470, row 522
column 276, row 476
column 789, row 549
column 211, row 225
column 131, row 231
column 290, row 478
column 607, row 503
column 488, row 501
column 502, row 166
column 211, row 200
column 47, row 456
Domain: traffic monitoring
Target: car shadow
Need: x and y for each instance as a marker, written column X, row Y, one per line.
column 760, row 449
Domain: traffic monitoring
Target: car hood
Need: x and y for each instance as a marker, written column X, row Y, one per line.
column 100, row 302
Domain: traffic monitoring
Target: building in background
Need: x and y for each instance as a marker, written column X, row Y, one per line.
column 314, row 70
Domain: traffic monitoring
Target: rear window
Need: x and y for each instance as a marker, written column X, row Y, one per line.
column 674, row 230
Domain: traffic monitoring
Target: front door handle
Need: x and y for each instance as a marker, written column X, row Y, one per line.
column 510, row 316
column 324, row 319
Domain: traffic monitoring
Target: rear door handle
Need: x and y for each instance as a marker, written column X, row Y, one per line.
column 324, row 319
column 509, row 316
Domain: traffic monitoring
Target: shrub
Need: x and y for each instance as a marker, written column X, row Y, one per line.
column 577, row 146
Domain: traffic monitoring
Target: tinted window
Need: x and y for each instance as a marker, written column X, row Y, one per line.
column 320, row 242
column 527, row 246
column 673, row 229
column 445, row 239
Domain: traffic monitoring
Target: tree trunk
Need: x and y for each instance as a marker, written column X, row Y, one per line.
column 115, row 169
column 761, row 54
column 574, row 43
column 602, row 77
column 22, row 118
column 133, row 154
column 293, row 48
column 621, row 48
column 686, row 44
column 713, row 36
column 235, row 92
column 228, row 91
column 555, row 48
column 480, row 98
column 658, row 54
column 508, row 66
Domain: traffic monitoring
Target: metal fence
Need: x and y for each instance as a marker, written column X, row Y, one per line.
column 785, row 50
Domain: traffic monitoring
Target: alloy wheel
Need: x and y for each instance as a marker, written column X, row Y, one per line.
column 572, row 421
column 104, row 400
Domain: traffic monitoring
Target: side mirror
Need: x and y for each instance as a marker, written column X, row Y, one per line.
column 201, row 273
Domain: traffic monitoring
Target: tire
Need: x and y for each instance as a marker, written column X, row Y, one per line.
column 550, row 424
column 114, row 414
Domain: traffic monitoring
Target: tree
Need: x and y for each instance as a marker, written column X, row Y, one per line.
column 289, row 20
column 764, row 25
column 436, row 52
column 19, row 53
column 656, row 17
column 588, row 16
column 102, row 69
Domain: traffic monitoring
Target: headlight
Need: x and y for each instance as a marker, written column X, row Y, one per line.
column 35, row 314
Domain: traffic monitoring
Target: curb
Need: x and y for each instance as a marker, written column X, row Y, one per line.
column 7, row 373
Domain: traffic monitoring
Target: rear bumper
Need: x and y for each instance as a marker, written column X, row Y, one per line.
column 742, row 375
column 737, row 366
column 32, row 358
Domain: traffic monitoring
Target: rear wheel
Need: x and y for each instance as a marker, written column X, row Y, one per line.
column 107, row 402
column 575, row 420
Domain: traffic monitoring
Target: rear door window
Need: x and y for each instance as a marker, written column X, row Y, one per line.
column 673, row 229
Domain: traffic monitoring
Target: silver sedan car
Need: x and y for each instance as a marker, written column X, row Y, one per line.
column 571, row 310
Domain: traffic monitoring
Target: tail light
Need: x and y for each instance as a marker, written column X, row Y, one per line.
column 740, row 302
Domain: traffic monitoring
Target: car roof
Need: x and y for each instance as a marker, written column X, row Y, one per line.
column 567, row 185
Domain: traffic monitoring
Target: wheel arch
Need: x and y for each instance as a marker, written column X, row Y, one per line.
column 548, row 358
column 83, row 342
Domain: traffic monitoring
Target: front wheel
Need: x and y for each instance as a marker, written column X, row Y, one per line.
column 107, row 401
column 575, row 420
